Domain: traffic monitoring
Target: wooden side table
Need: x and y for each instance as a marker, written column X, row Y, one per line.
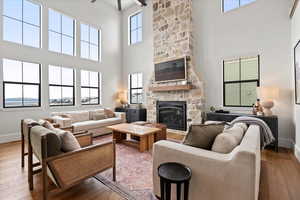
column 174, row 173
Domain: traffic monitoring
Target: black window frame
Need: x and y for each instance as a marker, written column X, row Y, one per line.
column 223, row 6
column 135, row 29
column 23, row 22
column 63, row 86
column 90, row 43
column 91, row 87
column 62, row 34
column 135, row 88
column 22, row 84
column 239, row 82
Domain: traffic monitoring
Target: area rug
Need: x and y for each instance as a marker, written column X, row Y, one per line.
column 134, row 172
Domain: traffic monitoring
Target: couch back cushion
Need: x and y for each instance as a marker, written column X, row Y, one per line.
column 75, row 116
column 93, row 113
column 203, row 136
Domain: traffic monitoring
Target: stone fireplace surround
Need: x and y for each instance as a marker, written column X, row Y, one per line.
column 173, row 38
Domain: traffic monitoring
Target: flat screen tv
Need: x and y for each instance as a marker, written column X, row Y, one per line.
column 174, row 70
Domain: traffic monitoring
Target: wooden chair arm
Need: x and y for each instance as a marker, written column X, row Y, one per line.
column 72, row 167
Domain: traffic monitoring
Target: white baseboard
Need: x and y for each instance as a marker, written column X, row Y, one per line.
column 297, row 152
column 10, row 138
column 286, row 143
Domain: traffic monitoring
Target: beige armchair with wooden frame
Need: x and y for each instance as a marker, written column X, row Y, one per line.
column 66, row 169
column 84, row 138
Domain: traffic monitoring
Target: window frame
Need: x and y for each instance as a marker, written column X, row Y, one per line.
column 136, row 29
column 63, row 86
column 62, row 34
column 90, row 43
column 91, row 87
column 137, row 88
column 240, row 81
column 22, row 84
column 23, row 22
column 223, row 6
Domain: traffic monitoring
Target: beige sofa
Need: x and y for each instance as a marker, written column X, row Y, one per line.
column 215, row 176
column 83, row 121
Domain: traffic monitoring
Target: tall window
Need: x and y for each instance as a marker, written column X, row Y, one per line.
column 21, row 22
column 233, row 4
column 135, row 28
column 90, row 88
column 136, row 88
column 61, row 86
column 61, row 33
column 241, row 78
column 89, row 42
column 21, row 84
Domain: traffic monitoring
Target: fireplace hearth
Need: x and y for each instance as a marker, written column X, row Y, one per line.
column 172, row 114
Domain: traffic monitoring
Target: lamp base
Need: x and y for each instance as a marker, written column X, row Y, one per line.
column 267, row 106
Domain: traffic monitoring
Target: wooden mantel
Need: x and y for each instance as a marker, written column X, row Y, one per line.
column 167, row 88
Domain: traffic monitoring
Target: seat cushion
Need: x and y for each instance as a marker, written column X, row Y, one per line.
column 203, row 136
column 94, row 124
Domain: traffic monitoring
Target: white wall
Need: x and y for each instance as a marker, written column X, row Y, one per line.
column 260, row 28
column 138, row 57
column 100, row 15
column 295, row 38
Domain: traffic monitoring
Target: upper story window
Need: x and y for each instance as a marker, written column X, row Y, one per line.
column 21, row 84
column 135, row 28
column 22, row 22
column 61, row 33
column 136, row 88
column 61, row 86
column 241, row 78
column 90, row 88
column 233, row 4
column 89, row 42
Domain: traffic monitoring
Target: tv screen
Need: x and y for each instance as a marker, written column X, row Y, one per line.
column 171, row 70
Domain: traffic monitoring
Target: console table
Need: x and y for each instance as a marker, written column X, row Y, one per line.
column 271, row 121
column 134, row 114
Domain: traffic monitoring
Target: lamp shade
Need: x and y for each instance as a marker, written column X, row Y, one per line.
column 122, row 96
column 267, row 93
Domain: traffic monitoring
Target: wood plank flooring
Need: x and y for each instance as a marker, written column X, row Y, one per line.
column 280, row 179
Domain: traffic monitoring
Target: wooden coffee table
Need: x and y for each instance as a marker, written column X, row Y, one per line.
column 145, row 134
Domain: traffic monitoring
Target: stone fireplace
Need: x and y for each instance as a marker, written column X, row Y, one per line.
column 173, row 39
column 172, row 114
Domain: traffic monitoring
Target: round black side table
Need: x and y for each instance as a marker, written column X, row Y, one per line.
column 175, row 173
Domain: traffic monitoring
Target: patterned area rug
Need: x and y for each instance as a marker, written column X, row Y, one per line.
column 134, row 172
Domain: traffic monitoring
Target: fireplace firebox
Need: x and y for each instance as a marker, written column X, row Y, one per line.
column 172, row 114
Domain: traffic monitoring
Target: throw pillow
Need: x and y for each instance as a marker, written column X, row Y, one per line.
column 46, row 124
column 69, row 142
column 224, row 143
column 203, row 136
column 109, row 113
column 238, row 130
column 99, row 116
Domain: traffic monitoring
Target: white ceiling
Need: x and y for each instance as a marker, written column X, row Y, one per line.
column 125, row 3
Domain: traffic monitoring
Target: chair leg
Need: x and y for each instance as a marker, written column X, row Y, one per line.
column 22, row 150
column 114, row 164
column 30, row 167
column 45, row 180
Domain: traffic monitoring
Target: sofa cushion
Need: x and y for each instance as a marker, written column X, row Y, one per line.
column 96, row 112
column 109, row 113
column 99, row 116
column 224, row 143
column 203, row 136
column 94, row 124
column 79, row 116
column 69, row 142
column 238, row 130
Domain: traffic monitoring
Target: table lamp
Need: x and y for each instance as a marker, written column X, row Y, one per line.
column 122, row 97
column 267, row 95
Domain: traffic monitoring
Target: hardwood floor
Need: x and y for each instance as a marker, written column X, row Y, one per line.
column 280, row 179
